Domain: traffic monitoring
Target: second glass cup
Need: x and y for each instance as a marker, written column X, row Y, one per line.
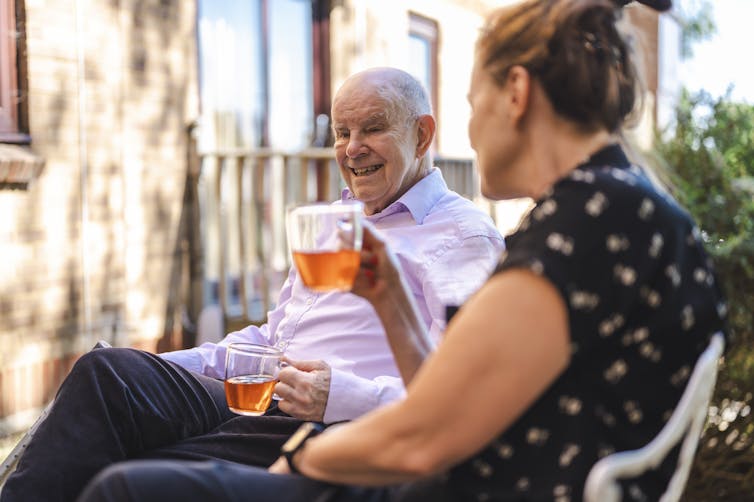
column 325, row 241
column 251, row 372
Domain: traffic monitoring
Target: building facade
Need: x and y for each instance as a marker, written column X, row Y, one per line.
column 105, row 109
column 93, row 151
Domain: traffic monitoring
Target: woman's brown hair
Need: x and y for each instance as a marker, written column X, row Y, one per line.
column 574, row 49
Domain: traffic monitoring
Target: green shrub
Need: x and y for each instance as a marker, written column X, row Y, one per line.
column 708, row 162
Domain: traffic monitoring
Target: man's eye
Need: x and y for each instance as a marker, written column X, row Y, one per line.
column 341, row 134
column 373, row 129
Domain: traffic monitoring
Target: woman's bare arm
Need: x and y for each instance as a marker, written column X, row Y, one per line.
column 501, row 352
column 381, row 282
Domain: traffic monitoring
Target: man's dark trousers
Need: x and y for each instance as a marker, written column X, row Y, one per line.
column 119, row 404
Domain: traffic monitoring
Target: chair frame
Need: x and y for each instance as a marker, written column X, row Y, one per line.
column 685, row 423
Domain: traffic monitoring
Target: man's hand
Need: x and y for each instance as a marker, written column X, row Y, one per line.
column 303, row 387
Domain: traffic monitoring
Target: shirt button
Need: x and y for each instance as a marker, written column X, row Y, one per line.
column 310, row 301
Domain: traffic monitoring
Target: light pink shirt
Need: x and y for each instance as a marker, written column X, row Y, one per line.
column 446, row 246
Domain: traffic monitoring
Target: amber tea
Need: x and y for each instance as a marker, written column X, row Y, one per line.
column 325, row 242
column 249, row 394
column 327, row 270
column 250, row 376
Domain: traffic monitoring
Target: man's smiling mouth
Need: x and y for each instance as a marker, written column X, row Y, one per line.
column 365, row 171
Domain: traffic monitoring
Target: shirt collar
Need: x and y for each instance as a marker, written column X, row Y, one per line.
column 418, row 200
column 611, row 155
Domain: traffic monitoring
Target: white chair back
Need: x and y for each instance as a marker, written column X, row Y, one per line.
column 685, row 423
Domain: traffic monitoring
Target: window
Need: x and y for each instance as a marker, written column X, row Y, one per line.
column 11, row 114
column 256, row 73
column 422, row 41
column 259, row 87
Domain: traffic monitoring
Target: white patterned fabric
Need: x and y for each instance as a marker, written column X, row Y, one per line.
column 642, row 304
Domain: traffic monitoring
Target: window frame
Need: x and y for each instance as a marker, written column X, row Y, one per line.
column 429, row 30
column 13, row 123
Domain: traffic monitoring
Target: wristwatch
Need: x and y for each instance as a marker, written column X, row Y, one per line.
column 297, row 440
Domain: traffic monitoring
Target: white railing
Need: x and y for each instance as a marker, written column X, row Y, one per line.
column 242, row 199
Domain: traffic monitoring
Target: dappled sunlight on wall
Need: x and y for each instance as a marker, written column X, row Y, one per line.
column 88, row 250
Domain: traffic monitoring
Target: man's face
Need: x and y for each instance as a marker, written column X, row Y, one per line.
column 377, row 153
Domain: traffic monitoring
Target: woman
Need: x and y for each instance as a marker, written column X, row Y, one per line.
column 578, row 345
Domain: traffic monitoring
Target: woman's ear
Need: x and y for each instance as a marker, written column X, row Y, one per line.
column 518, row 85
column 425, row 133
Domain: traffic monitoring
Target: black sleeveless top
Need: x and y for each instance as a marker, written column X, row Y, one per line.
column 642, row 303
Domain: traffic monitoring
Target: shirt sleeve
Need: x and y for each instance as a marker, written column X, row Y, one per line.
column 356, row 396
column 590, row 242
column 457, row 274
column 563, row 243
column 209, row 358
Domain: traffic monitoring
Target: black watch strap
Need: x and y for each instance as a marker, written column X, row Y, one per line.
column 296, row 442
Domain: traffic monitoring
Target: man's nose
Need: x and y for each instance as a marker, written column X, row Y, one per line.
column 356, row 147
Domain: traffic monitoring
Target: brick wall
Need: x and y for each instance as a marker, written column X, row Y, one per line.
column 89, row 250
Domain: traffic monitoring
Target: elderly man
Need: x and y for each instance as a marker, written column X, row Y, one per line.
column 119, row 404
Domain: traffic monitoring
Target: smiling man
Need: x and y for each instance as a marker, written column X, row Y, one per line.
column 383, row 130
column 120, row 404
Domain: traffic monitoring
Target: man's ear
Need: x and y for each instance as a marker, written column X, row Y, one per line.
column 518, row 84
column 425, row 134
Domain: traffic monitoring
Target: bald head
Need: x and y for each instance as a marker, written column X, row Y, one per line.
column 404, row 97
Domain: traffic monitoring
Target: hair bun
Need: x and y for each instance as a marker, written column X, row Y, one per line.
column 658, row 5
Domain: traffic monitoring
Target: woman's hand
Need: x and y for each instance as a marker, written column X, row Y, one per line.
column 279, row 467
column 379, row 272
